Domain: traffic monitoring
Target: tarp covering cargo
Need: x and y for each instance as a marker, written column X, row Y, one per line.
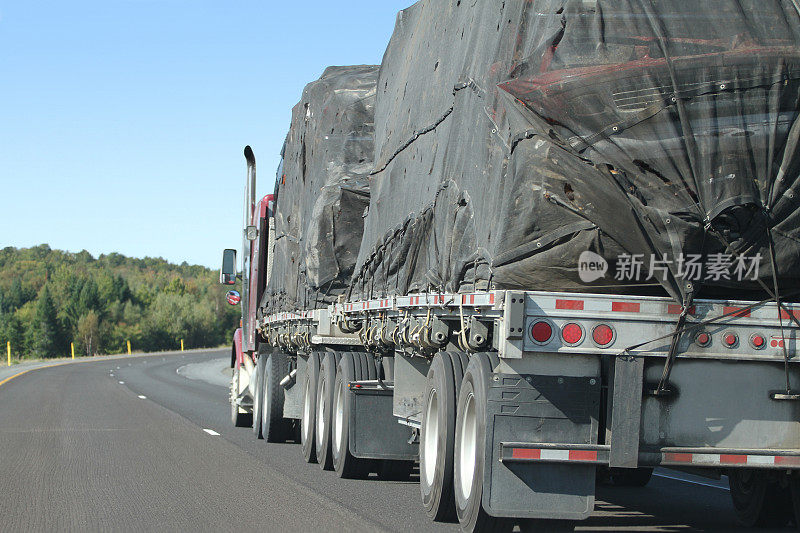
column 322, row 190
column 512, row 138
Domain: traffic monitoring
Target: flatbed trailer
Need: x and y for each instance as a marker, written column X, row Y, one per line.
column 547, row 390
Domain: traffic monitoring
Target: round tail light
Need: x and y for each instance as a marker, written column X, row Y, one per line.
column 572, row 333
column 730, row 340
column 603, row 335
column 541, row 331
column 758, row 341
column 703, row 339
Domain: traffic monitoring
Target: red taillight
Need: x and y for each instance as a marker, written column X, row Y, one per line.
column 758, row 341
column 603, row 335
column 541, row 332
column 703, row 339
column 730, row 340
column 572, row 333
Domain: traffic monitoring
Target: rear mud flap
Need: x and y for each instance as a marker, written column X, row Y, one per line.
column 540, row 409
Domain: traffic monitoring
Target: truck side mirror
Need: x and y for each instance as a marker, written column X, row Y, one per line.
column 227, row 274
column 233, row 297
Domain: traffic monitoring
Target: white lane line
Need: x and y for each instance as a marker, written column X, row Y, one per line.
column 211, row 432
column 122, row 383
column 142, row 397
column 690, row 481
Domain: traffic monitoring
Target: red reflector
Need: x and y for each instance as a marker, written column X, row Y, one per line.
column 576, row 305
column 758, row 341
column 525, row 453
column 703, row 339
column 678, row 457
column 736, row 311
column 787, row 460
column 603, row 335
column 731, row 339
column 541, row 332
column 572, row 333
column 795, row 313
column 625, row 307
column 582, row 455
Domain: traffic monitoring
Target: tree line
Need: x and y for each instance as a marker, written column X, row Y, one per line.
column 50, row 298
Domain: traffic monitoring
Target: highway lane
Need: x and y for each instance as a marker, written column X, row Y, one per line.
column 122, row 444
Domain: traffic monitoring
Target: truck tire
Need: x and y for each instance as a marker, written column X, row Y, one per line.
column 325, row 386
column 469, row 452
column 437, row 439
column 239, row 417
column 630, row 477
column 309, row 415
column 274, row 427
column 258, row 399
column 759, row 499
column 344, row 463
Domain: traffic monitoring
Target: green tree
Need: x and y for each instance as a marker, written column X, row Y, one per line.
column 45, row 329
column 88, row 332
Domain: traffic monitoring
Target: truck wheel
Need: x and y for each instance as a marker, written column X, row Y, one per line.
column 239, row 416
column 257, row 400
column 631, row 477
column 758, row 498
column 469, row 453
column 344, row 463
column 274, row 427
column 307, row 422
column 325, row 386
column 436, row 439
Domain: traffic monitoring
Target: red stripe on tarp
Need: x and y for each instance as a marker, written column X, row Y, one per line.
column 472, row 298
column 526, row 453
column 741, row 312
column 582, row 455
column 678, row 457
column 729, row 459
column 625, row 307
column 576, row 305
column 788, row 460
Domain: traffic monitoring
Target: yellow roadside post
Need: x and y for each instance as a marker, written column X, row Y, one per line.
column 181, row 344
column 8, row 349
column 72, row 348
column 129, row 347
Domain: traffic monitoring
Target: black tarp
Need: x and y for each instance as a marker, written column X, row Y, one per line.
column 512, row 137
column 322, row 190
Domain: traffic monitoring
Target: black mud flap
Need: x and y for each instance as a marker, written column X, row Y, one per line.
column 375, row 433
column 540, row 409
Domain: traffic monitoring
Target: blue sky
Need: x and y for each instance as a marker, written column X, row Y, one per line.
column 122, row 122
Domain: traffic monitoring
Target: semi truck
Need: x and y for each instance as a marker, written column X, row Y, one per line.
column 543, row 244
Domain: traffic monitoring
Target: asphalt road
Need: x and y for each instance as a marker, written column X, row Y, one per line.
column 145, row 443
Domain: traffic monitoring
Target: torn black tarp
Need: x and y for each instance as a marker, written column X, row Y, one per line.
column 322, row 190
column 657, row 136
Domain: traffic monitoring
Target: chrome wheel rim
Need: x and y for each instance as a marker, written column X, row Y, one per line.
column 467, row 434
column 307, row 412
column 338, row 419
column 431, row 440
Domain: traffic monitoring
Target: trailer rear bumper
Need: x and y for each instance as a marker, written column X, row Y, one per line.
column 519, row 452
